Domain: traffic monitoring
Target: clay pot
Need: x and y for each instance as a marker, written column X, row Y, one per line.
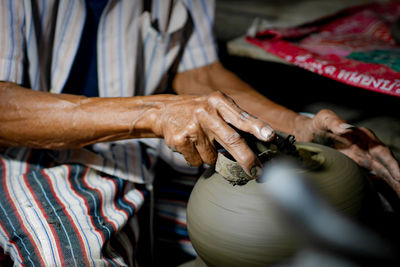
column 237, row 226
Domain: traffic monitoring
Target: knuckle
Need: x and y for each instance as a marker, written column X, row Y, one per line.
column 178, row 140
column 217, row 97
column 326, row 114
column 382, row 151
column 233, row 139
column 201, row 110
column 244, row 116
column 192, row 129
column 217, row 94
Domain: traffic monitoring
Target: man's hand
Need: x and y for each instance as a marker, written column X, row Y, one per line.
column 191, row 124
column 360, row 144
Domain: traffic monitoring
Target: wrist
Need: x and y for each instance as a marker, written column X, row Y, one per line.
column 145, row 121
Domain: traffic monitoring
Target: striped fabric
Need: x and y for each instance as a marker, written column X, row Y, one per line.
column 46, row 33
column 77, row 207
column 63, row 215
column 172, row 189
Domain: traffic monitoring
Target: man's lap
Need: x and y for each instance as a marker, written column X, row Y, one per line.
column 66, row 214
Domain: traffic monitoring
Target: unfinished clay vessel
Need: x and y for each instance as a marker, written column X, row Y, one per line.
column 235, row 225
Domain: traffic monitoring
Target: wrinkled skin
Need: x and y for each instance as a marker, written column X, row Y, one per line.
column 360, row 144
column 203, row 120
column 189, row 124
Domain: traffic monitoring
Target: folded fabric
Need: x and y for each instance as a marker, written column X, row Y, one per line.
column 354, row 46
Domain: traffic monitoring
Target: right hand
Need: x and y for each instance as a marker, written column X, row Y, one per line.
column 191, row 124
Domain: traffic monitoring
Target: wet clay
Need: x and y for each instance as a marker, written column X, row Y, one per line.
column 238, row 226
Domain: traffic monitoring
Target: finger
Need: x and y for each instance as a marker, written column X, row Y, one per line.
column 239, row 118
column 366, row 161
column 332, row 140
column 327, row 120
column 359, row 156
column 185, row 146
column 383, row 155
column 190, row 154
column 379, row 170
column 382, row 173
column 206, row 149
column 232, row 142
column 378, row 160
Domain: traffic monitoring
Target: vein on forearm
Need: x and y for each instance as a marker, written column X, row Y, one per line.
column 58, row 121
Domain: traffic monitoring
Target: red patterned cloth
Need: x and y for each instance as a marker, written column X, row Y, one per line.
column 354, row 46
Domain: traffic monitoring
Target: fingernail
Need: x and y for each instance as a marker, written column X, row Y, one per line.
column 256, row 171
column 267, row 132
column 346, row 126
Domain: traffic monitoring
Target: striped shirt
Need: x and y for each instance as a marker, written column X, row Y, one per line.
column 138, row 51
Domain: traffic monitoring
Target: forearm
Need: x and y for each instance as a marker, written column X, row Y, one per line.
column 216, row 77
column 58, row 121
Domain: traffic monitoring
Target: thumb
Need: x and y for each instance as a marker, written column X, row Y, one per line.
column 327, row 120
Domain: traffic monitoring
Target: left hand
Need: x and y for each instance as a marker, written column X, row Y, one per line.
column 360, row 144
